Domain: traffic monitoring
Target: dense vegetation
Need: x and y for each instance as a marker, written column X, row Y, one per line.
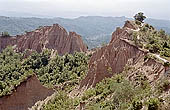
column 12, row 72
column 117, row 93
column 15, row 68
column 121, row 94
column 151, row 39
column 59, row 69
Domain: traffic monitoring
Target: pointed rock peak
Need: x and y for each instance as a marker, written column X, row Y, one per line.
column 115, row 55
column 54, row 26
column 51, row 37
column 74, row 34
column 57, row 25
column 130, row 25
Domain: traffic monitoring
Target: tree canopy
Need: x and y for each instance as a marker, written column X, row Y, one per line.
column 15, row 68
column 140, row 16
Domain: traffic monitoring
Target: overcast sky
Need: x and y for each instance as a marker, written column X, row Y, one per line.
column 159, row 9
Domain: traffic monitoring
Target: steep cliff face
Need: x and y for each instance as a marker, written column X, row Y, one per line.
column 150, row 68
column 25, row 95
column 6, row 41
column 51, row 37
column 115, row 56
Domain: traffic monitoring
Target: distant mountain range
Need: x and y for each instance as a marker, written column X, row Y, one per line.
column 95, row 30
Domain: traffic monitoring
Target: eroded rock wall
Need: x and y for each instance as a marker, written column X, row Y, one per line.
column 51, row 37
column 113, row 58
column 25, row 95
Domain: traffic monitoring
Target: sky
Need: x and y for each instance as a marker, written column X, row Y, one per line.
column 158, row 9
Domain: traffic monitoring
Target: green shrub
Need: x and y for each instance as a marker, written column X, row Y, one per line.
column 162, row 33
column 166, row 52
column 138, row 22
column 153, row 104
column 164, row 85
column 60, row 102
column 137, row 105
column 144, row 29
column 147, row 25
column 167, row 64
column 140, row 17
column 88, row 93
column 119, row 78
column 5, row 34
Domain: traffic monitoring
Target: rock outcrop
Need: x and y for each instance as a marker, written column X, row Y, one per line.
column 113, row 58
column 25, row 95
column 150, row 68
column 51, row 37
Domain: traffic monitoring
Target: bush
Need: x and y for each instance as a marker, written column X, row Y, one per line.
column 144, row 29
column 164, row 85
column 167, row 64
column 137, row 105
column 140, row 17
column 119, row 78
column 166, row 52
column 138, row 22
column 5, row 34
column 162, row 33
column 61, row 102
column 88, row 93
column 153, row 104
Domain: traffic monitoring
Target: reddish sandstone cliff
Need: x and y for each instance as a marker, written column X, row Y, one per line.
column 51, row 37
column 7, row 41
column 113, row 58
column 25, row 95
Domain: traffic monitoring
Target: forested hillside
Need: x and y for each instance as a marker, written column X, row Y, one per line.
column 50, row 70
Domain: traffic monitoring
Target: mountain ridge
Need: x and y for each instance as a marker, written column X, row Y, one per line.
column 95, row 30
column 50, row 37
column 127, row 73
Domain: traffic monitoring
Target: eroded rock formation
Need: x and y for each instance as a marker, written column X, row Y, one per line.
column 25, row 95
column 51, row 37
column 113, row 58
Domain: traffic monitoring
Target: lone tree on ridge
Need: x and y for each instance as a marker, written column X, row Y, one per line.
column 140, row 17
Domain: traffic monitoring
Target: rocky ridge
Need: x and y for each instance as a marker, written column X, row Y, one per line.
column 120, row 52
column 25, row 95
column 51, row 37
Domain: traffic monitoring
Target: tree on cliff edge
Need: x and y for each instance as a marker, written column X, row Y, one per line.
column 140, row 17
column 5, row 34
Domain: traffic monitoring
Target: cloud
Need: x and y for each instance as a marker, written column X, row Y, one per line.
column 74, row 8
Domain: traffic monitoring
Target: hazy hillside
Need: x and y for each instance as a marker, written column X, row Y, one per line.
column 95, row 30
column 160, row 24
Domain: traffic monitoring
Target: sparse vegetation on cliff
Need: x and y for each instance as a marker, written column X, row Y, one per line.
column 5, row 34
column 155, row 41
column 115, row 94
